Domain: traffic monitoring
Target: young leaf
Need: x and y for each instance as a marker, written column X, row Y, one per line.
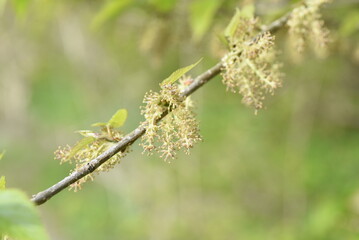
column 2, row 183
column 99, row 124
column 118, row 119
column 88, row 133
column 201, row 16
column 246, row 12
column 233, row 24
column 2, row 154
column 18, row 217
column 178, row 73
column 80, row 145
column 111, row 10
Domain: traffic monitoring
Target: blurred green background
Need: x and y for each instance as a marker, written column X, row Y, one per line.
column 290, row 172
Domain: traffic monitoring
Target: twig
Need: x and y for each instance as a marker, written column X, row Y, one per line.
column 130, row 138
column 277, row 24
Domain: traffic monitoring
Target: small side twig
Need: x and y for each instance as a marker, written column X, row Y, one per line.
column 130, row 138
column 277, row 24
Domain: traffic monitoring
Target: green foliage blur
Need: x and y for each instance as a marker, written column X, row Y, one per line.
column 289, row 172
column 18, row 217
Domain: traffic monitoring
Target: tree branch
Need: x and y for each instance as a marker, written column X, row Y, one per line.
column 130, row 138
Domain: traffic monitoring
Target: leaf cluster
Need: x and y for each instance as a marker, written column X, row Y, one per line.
column 93, row 144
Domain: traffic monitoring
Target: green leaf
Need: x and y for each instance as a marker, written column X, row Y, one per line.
column 88, row 133
column 2, row 154
column 2, row 183
column 233, row 24
column 246, row 12
column 163, row 5
column 99, row 124
column 80, row 145
column 118, row 119
column 178, row 73
column 201, row 16
column 111, row 10
column 222, row 39
column 18, row 217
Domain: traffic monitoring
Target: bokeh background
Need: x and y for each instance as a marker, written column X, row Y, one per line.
column 289, row 172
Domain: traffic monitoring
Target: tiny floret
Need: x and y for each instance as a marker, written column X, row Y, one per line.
column 250, row 67
column 178, row 130
column 306, row 28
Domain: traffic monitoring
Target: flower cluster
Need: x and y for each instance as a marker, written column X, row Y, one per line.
column 87, row 149
column 307, row 28
column 178, row 130
column 250, row 67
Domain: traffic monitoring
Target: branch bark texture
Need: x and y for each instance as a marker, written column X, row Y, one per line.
column 130, row 138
